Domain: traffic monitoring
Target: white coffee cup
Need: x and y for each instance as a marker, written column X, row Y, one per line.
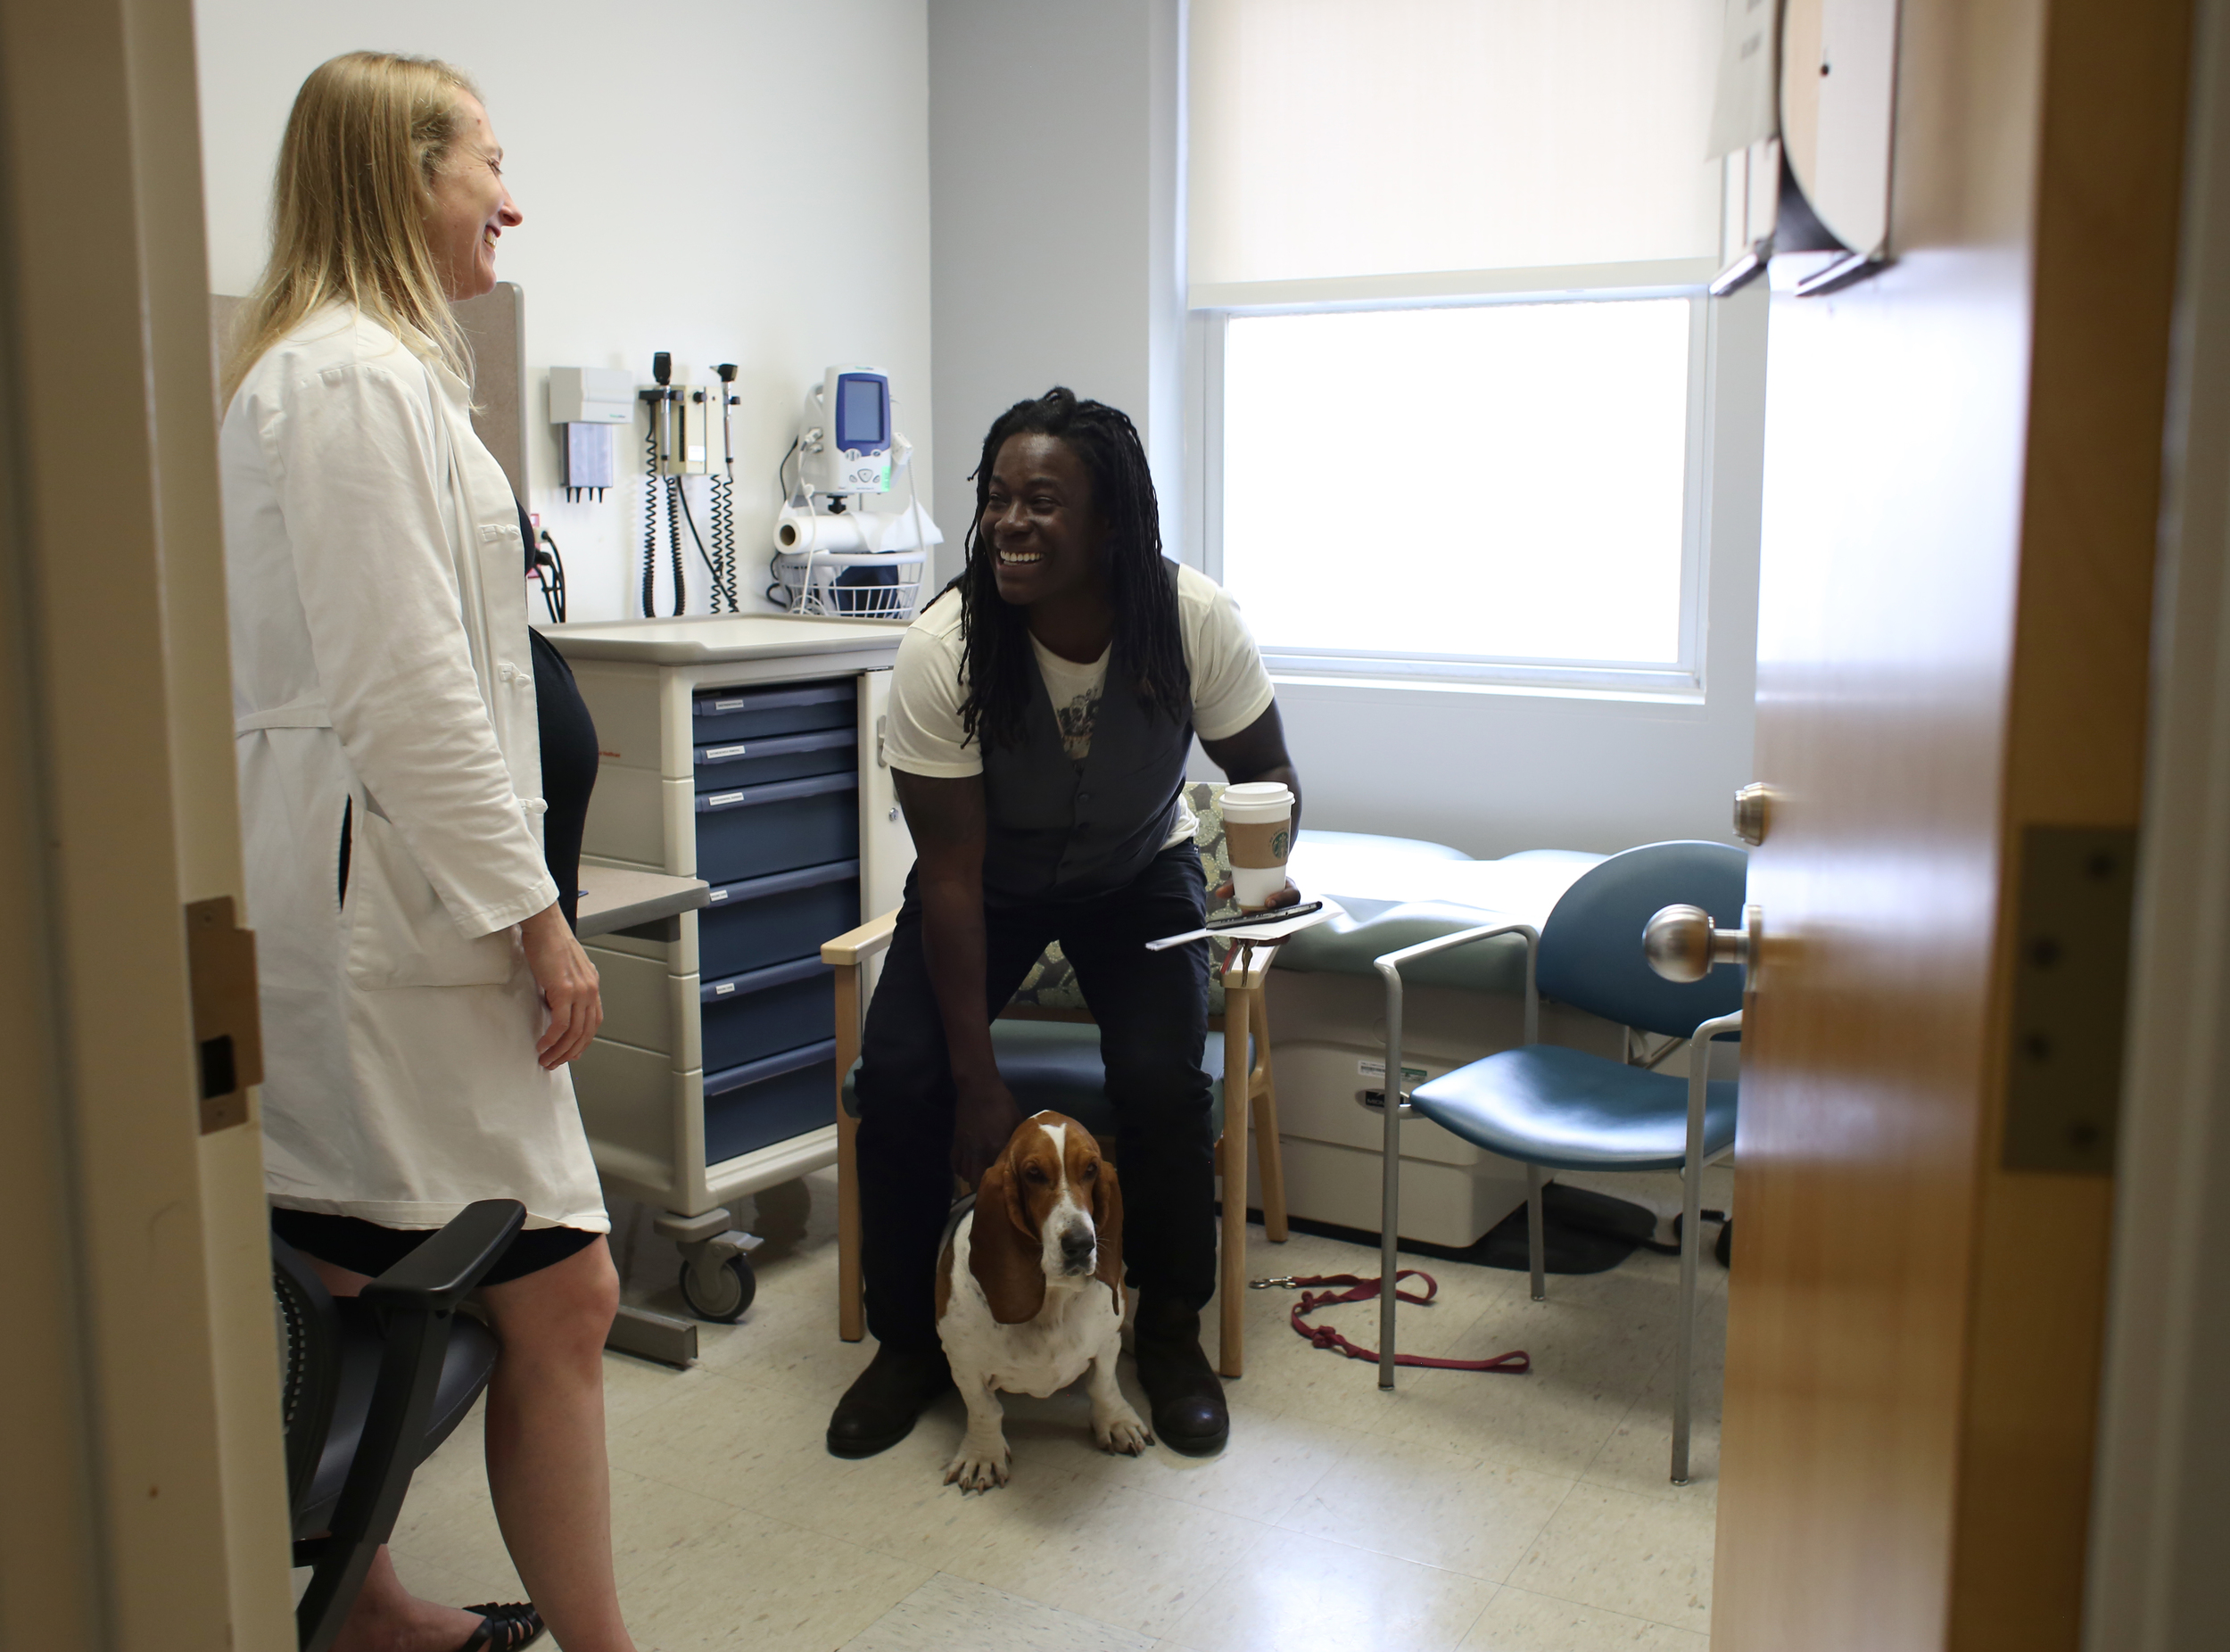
column 1258, row 836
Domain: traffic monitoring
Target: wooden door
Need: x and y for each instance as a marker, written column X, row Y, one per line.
column 1962, row 467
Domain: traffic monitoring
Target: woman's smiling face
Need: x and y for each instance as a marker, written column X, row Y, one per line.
column 1039, row 521
column 471, row 206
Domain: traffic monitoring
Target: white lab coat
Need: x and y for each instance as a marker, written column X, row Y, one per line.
column 380, row 665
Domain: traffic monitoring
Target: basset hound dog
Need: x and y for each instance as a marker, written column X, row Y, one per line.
column 1029, row 1293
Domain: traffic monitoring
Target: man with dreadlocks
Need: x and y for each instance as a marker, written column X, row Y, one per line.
column 1041, row 711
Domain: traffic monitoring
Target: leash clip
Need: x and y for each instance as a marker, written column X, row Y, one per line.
column 1283, row 1283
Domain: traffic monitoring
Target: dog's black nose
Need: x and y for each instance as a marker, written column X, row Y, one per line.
column 1077, row 1246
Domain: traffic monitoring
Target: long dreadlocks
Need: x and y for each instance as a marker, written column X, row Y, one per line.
column 1002, row 671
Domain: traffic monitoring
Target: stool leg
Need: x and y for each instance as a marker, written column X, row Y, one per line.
column 1231, row 1337
column 1269, row 1152
column 850, row 1297
column 1536, row 1238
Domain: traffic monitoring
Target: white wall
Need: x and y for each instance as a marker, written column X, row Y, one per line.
column 732, row 180
column 1054, row 167
column 1052, row 176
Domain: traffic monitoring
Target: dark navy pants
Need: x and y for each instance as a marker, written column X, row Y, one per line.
column 1153, row 1013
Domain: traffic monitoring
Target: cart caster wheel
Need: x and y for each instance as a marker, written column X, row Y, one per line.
column 720, row 1291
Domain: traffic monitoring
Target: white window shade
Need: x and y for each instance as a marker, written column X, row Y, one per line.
column 1391, row 149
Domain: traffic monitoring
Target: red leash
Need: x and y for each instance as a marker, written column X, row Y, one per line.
column 1517, row 1362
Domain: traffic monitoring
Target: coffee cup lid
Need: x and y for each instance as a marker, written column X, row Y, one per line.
column 1258, row 794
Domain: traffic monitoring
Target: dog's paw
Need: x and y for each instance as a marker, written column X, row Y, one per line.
column 1124, row 1431
column 977, row 1469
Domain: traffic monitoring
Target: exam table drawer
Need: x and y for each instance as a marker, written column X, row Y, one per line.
column 757, row 830
column 761, row 1103
column 762, row 920
column 720, row 716
column 722, row 765
column 747, row 1017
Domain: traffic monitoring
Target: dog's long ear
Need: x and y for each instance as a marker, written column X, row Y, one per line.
column 1006, row 1258
column 1107, row 1219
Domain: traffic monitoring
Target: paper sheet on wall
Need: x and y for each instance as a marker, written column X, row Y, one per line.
column 1746, row 107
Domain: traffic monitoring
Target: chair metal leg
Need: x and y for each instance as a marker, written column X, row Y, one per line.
column 1691, row 1221
column 1390, row 1184
column 1536, row 1235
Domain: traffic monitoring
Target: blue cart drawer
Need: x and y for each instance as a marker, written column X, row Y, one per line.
column 763, row 921
column 723, row 714
column 724, row 765
column 754, row 831
column 766, row 1011
column 765, row 1101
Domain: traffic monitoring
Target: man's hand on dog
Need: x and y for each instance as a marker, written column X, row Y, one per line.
column 984, row 1118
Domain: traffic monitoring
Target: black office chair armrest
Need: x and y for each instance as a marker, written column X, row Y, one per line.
column 416, row 1299
column 436, row 1277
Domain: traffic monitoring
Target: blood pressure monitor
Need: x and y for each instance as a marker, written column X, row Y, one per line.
column 844, row 434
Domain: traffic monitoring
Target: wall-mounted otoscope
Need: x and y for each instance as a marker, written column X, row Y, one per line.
column 681, row 442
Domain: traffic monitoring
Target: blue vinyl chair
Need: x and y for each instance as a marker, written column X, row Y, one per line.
column 1555, row 1109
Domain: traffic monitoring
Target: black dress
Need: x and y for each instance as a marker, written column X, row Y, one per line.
column 569, row 755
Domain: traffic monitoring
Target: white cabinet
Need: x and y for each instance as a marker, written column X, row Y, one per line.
column 745, row 751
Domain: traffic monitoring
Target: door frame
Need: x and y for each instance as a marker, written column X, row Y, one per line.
column 2161, row 1513
column 140, row 1437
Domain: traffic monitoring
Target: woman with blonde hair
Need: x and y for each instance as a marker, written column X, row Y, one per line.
column 421, row 990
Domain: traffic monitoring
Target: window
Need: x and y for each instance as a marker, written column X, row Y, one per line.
column 1448, row 259
column 1503, row 492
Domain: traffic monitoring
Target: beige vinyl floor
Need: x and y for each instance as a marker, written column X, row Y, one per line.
column 1461, row 1513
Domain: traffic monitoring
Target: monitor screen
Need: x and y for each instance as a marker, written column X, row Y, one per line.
column 860, row 418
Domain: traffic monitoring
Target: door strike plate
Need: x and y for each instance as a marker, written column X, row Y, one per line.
column 2070, row 986
column 228, row 1024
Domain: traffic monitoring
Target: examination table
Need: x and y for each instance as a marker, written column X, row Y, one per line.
column 1327, row 1013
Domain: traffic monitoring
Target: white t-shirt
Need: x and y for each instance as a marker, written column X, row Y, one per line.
column 928, row 686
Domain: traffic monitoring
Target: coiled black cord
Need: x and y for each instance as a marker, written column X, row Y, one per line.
column 650, row 511
column 723, row 526
column 549, row 566
column 674, row 532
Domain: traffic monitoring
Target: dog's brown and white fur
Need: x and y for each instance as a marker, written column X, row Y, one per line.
column 1029, row 1293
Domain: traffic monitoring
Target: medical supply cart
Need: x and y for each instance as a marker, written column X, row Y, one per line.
column 743, row 750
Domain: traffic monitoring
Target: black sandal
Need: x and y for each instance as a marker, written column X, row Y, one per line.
column 504, row 1629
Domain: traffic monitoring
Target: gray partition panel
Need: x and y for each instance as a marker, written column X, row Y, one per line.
column 495, row 327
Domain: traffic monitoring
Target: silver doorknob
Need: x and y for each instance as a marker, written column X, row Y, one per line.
column 1682, row 944
column 1752, row 808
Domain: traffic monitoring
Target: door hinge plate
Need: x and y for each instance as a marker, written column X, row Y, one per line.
column 2070, row 989
column 228, row 1024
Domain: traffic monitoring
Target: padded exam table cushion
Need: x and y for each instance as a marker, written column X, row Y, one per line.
column 1399, row 891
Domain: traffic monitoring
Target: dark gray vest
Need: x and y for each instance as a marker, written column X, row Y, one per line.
column 1059, row 832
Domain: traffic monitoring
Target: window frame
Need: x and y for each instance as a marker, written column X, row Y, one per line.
column 1683, row 680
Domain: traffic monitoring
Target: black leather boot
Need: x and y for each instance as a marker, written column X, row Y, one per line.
column 883, row 1402
column 1187, row 1394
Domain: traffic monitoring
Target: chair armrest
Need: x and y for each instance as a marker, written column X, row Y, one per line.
column 857, row 945
column 1390, row 963
column 1389, row 967
column 436, row 1276
column 1725, row 1027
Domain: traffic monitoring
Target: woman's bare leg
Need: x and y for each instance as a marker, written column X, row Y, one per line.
column 386, row 1616
column 547, row 1467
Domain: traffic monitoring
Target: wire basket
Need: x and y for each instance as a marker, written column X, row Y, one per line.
column 852, row 584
